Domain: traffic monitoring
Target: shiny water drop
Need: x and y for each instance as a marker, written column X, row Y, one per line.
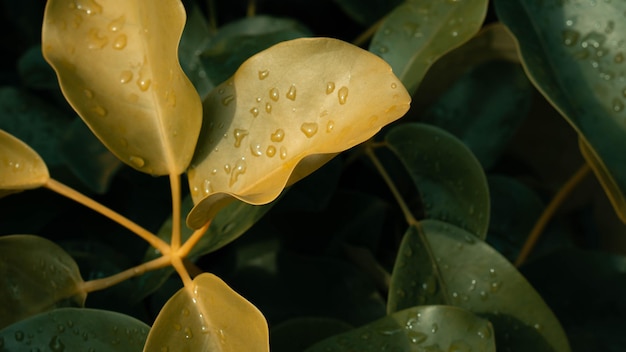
column 56, row 345
column 207, row 188
column 416, row 337
column 254, row 112
column 394, row 85
column 283, row 153
column 238, row 170
column 239, row 135
column 570, row 37
column 90, row 7
column 291, row 93
column 309, row 129
column 96, row 40
column 126, row 76
column 117, row 24
column 342, row 95
column 263, row 74
column 484, row 332
column 495, row 286
column 274, row 95
column 188, row 333
column 330, row 126
column 119, row 42
column 618, row 105
column 137, row 161
column 227, row 168
column 434, row 328
column 383, row 49
column 459, row 346
column 330, row 87
column 268, row 108
column 99, row 110
column 270, row 151
column 228, row 99
column 278, row 135
column 430, row 286
column 143, row 84
column 255, row 149
column 19, row 336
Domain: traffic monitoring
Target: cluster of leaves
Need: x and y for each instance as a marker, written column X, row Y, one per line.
column 404, row 243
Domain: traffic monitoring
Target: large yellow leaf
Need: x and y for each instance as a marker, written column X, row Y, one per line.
column 209, row 317
column 117, row 63
column 21, row 167
column 305, row 98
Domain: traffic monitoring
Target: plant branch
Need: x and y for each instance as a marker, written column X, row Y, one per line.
column 78, row 197
column 100, row 284
column 184, row 250
column 251, row 10
column 549, row 212
column 176, row 209
column 177, row 263
column 212, row 10
column 368, row 34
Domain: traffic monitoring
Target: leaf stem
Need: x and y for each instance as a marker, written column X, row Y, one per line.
column 184, row 250
column 78, row 197
column 549, row 212
column 251, row 10
column 212, row 10
column 176, row 209
column 100, row 284
column 368, row 34
column 178, row 264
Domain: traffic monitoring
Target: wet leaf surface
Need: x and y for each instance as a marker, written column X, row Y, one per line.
column 21, row 168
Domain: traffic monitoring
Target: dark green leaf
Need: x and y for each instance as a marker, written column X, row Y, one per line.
column 417, row 329
column 369, row 11
column 450, row 180
column 75, row 329
column 300, row 333
column 193, row 42
column 35, row 71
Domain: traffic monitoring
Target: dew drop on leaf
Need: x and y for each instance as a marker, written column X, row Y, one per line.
column 117, row 24
column 342, row 95
column 274, row 95
column 119, row 42
column 126, row 76
column 239, row 135
column 268, row 108
column 291, row 93
column 330, row 87
column 137, row 161
column 278, row 135
column 271, row 151
column 263, row 74
column 309, row 129
column 254, row 112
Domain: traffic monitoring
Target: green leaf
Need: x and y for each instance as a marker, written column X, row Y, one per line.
column 21, row 168
column 479, row 279
column 484, row 108
column 209, row 316
column 451, row 181
column 573, row 54
column 418, row 32
column 75, row 329
column 36, row 275
column 194, row 40
column 88, row 158
column 417, row 329
column 300, row 333
column 366, row 12
column 35, row 71
column 238, row 40
column 118, row 67
column 285, row 113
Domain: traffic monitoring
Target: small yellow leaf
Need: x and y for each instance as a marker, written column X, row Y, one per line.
column 209, row 317
column 306, row 98
column 117, row 63
column 21, row 167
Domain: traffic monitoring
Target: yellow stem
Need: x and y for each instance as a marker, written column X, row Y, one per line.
column 251, row 11
column 78, row 197
column 184, row 250
column 100, row 284
column 212, row 16
column 369, row 33
column 177, row 263
column 549, row 212
column 176, row 216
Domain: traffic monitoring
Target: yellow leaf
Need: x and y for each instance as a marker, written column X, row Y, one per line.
column 295, row 100
column 21, row 167
column 117, row 63
column 209, row 317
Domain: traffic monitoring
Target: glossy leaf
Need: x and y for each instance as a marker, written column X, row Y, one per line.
column 117, row 64
column 418, row 32
column 479, row 279
column 300, row 101
column 450, row 179
column 194, row 40
column 21, row 168
column 417, row 329
column 573, row 53
column 484, row 108
column 210, row 317
column 36, row 275
column 75, row 329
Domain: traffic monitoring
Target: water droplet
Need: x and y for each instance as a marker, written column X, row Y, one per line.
column 119, row 42
column 268, row 108
column 434, row 328
column 117, row 24
column 239, row 135
column 56, row 345
column 227, row 168
column 394, row 85
column 484, row 332
column 137, row 161
column 278, row 135
column 274, row 94
column 291, row 93
column 254, row 112
column 309, row 129
column 126, row 76
column 19, row 336
column 459, row 346
column 610, row 26
column 61, row 327
column 537, row 326
column 271, row 151
column 143, row 84
column 484, row 295
column 495, row 286
column 188, row 333
column 283, row 153
column 99, row 110
column 329, row 126
column 618, row 105
column 570, row 37
column 90, row 7
column 238, row 170
column 96, row 40
column 342, row 95
column 255, row 149
column 330, row 87
column 228, row 99
column 263, row 74
column 416, row 337
column 383, row 49
column 88, row 93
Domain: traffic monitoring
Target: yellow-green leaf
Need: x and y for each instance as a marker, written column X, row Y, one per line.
column 117, row 64
column 36, row 275
column 305, row 98
column 208, row 317
column 21, row 167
